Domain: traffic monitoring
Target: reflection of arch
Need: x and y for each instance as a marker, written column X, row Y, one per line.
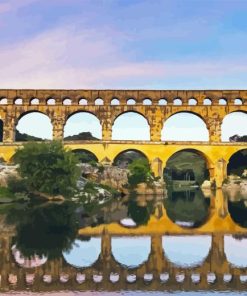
column 83, row 122
column 125, row 157
column 83, row 253
column 189, row 126
column 131, row 125
column 85, row 156
column 178, row 249
column 30, row 122
column 25, row 262
column 131, row 251
column 235, row 251
column 234, row 123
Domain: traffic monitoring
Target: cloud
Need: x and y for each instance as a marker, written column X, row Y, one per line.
column 13, row 5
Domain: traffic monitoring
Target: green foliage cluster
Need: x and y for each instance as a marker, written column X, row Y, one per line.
column 48, row 168
column 139, row 172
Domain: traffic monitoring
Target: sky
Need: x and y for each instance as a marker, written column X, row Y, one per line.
column 123, row 44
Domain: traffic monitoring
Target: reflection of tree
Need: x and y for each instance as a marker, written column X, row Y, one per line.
column 45, row 230
column 139, row 214
column 187, row 206
column 238, row 212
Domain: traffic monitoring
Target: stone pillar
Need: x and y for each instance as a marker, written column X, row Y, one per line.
column 58, row 123
column 156, row 259
column 214, row 127
column 221, row 204
column 156, row 167
column 105, row 246
column 155, row 129
column 9, row 127
column 106, row 124
column 220, row 172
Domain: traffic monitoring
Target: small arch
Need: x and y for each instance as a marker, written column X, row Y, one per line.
column 222, row 101
column 131, row 102
column 82, row 101
column 34, row 101
column 67, row 101
column 3, row 101
column 85, row 156
column 115, row 101
column 18, row 101
column 99, row 102
column 207, row 102
column 162, row 102
column 177, row 102
column 147, row 102
column 238, row 101
column 192, row 102
column 51, row 101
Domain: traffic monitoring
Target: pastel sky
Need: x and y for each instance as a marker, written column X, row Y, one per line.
column 158, row 44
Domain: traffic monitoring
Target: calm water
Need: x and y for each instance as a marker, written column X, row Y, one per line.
column 191, row 242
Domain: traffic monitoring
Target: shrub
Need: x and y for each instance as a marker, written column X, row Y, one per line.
column 139, row 171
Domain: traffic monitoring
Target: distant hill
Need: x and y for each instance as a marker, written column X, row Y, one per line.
column 237, row 138
column 81, row 136
column 19, row 137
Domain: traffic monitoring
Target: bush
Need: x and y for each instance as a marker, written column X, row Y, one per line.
column 17, row 185
column 48, row 168
column 139, row 172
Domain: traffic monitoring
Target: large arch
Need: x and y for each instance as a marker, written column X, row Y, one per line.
column 237, row 163
column 85, row 156
column 124, row 158
column 177, row 249
column 131, row 125
column 30, row 123
column 82, row 125
column 235, row 251
column 185, row 126
column 131, row 251
column 83, row 253
column 233, row 127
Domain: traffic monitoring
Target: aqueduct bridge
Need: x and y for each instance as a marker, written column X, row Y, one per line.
column 107, row 105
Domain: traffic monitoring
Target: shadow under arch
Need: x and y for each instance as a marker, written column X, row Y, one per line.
column 178, row 249
column 1, row 130
column 27, row 114
column 85, row 156
column 195, row 116
column 237, row 162
column 135, row 131
column 125, row 157
column 228, row 125
column 131, row 252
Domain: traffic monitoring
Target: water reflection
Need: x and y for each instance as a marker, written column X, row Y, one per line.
column 188, row 208
column 235, row 250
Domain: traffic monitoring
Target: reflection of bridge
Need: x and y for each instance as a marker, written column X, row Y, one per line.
column 157, row 272
column 107, row 105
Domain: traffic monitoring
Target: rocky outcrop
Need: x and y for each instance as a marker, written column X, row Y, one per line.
column 7, row 171
column 235, row 188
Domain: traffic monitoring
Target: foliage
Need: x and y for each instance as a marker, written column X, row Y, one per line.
column 48, row 168
column 139, row 172
column 17, row 185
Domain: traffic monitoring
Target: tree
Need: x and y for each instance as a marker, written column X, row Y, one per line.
column 139, row 171
column 48, row 168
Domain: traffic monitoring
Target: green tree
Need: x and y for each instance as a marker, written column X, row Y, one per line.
column 48, row 168
column 139, row 171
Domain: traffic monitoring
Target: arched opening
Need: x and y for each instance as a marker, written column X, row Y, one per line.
column 82, row 126
column 83, row 253
column 131, row 251
column 131, row 126
column 27, row 262
column 207, row 102
column 3, row 101
column 115, row 102
column 233, row 128
column 238, row 101
column 237, row 163
column 1, row 130
column 85, row 156
column 51, row 101
column 222, row 101
column 28, row 127
column 99, row 101
column 235, row 250
column 67, row 101
column 131, row 102
column 124, row 158
column 18, row 101
column 82, row 102
column 147, row 102
column 184, row 126
column 192, row 102
column 177, row 249
column 177, row 102
column 162, row 102
column 34, row 101
column 187, row 167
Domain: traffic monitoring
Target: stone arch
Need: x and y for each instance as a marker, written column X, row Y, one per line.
column 131, row 251
column 133, row 125
column 82, row 101
column 192, row 102
column 177, row 101
column 147, row 101
column 188, row 160
column 162, row 102
column 237, row 162
column 238, row 101
column 184, row 124
column 125, row 157
column 34, row 101
column 85, row 155
column 84, row 253
column 91, row 124
column 67, row 101
column 177, row 249
column 115, row 101
column 131, row 101
column 222, row 101
column 51, row 101
column 207, row 102
column 98, row 102
column 3, row 101
column 18, row 101
column 31, row 125
column 233, row 125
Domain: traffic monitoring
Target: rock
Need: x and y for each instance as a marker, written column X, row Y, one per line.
column 7, row 171
column 206, row 184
